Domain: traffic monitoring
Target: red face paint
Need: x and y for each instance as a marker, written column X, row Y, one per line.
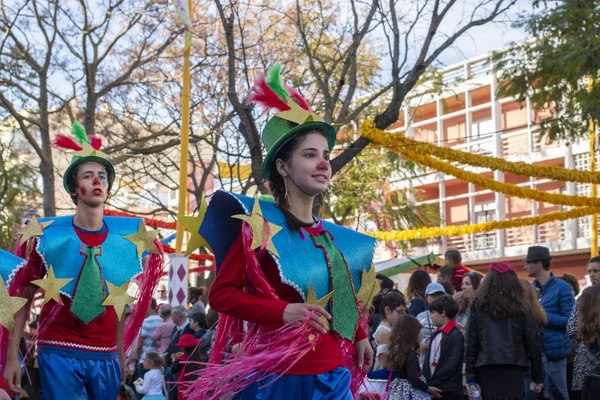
column 82, row 191
column 96, row 181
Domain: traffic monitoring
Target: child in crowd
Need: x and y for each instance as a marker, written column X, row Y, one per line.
column 443, row 362
column 433, row 291
column 194, row 352
column 403, row 360
column 152, row 385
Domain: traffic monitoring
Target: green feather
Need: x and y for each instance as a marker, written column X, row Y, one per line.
column 273, row 79
column 79, row 132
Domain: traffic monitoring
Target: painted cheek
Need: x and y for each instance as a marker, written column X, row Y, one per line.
column 104, row 181
column 82, row 191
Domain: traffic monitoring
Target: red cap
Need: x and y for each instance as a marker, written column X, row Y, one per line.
column 188, row 340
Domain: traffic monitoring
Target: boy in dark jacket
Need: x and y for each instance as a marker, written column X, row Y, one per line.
column 442, row 367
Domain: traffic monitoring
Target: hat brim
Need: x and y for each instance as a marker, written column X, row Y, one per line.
column 109, row 168
column 326, row 128
column 537, row 259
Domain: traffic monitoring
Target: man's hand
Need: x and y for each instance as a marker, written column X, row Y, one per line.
column 12, row 373
column 364, row 352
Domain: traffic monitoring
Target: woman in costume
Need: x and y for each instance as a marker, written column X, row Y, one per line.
column 301, row 283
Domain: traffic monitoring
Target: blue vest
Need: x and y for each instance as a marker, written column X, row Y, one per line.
column 300, row 262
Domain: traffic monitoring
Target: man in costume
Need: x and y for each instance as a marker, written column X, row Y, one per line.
column 84, row 264
column 301, row 283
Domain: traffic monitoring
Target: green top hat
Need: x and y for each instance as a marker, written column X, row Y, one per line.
column 86, row 149
column 294, row 116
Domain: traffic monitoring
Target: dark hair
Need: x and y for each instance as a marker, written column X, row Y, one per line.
column 153, row 304
column 386, row 283
column 277, row 183
column 546, row 264
column 447, row 272
column 476, row 279
column 448, row 287
column 445, row 304
column 72, row 182
column 594, row 260
column 200, row 319
column 404, row 340
column 195, row 292
column 391, row 300
column 571, row 280
column 154, row 359
column 501, row 295
column 588, row 324
column 453, row 256
column 33, row 324
column 417, row 284
column 212, row 316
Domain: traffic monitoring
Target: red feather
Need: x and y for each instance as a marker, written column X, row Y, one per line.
column 294, row 94
column 96, row 142
column 261, row 93
column 66, row 143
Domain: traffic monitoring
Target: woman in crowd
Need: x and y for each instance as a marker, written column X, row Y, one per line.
column 470, row 284
column 573, row 332
column 391, row 306
column 415, row 292
column 588, row 327
column 502, row 338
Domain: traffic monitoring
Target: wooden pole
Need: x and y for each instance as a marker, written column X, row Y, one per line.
column 594, row 236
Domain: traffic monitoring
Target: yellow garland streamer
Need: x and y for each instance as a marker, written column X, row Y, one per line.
column 459, row 230
column 500, row 187
column 399, row 143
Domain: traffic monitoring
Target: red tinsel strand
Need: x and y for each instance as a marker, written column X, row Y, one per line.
column 263, row 94
column 154, row 223
column 148, row 282
column 195, row 257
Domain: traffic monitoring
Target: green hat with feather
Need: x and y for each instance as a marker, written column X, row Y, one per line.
column 293, row 117
column 83, row 149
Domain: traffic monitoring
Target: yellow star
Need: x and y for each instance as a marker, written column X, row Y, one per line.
column 192, row 225
column 33, row 228
column 257, row 223
column 311, row 298
column 8, row 307
column 143, row 239
column 298, row 114
column 118, row 298
column 87, row 150
column 51, row 286
column 368, row 288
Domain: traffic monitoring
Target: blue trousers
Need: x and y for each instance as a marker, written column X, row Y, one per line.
column 555, row 379
column 332, row 385
column 76, row 379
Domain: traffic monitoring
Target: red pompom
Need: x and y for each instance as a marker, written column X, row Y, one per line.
column 263, row 94
column 66, row 143
column 96, row 142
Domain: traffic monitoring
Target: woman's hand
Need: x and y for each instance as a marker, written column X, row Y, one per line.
column 434, row 392
column 538, row 387
column 364, row 352
column 295, row 314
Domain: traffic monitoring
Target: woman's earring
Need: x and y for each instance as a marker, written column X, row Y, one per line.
column 287, row 196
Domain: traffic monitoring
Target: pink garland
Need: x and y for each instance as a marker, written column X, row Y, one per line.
column 147, row 285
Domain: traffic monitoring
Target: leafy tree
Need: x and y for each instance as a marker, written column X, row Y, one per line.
column 554, row 70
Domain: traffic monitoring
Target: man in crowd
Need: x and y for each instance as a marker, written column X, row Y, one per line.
column 161, row 295
column 145, row 342
column 163, row 334
column 557, row 298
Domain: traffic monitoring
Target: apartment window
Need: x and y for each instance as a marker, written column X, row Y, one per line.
column 485, row 213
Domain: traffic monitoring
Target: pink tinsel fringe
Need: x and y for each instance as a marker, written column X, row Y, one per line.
column 261, row 351
column 147, row 285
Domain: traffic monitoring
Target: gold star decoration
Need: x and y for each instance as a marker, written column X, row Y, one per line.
column 33, row 228
column 143, row 239
column 298, row 114
column 311, row 298
column 51, row 285
column 257, row 223
column 368, row 288
column 8, row 307
column 192, row 225
column 118, row 298
column 87, row 150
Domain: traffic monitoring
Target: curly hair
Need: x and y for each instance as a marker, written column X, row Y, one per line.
column 277, row 183
column 392, row 301
column 501, row 295
column 588, row 324
column 404, row 339
column 417, row 284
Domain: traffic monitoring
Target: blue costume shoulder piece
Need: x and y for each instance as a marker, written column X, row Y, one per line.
column 301, row 262
column 9, row 265
column 61, row 247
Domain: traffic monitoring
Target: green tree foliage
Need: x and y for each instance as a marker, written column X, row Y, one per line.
column 554, row 70
column 18, row 191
